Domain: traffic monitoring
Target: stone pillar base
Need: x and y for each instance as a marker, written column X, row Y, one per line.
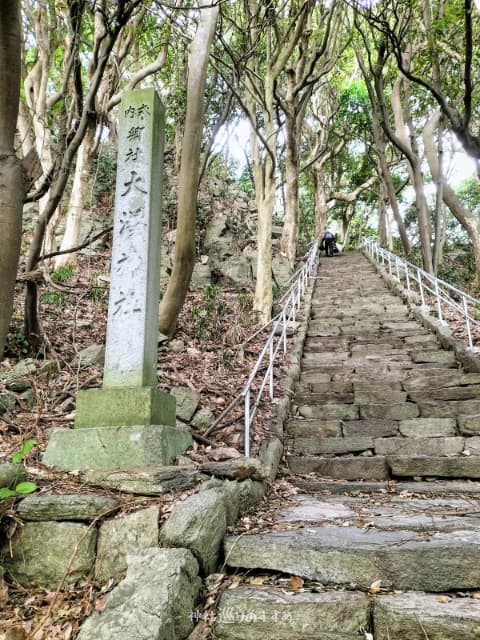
column 126, row 447
column 124, row 407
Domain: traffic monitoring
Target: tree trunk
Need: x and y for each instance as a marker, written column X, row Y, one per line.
column 81, row 183
column 469, row 221
column 382, row 215
column 288, row 242
column 184, row 254
column 414, row 168
column 321, row 205
column 12, row 184
column 387, row 179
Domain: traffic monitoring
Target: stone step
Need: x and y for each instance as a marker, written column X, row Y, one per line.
column 434, row 467
column 417, row 616
column 343, row 467
column 357, row 557
column 336, row 445
column 327, row 387
column 438, row 446
column 443, row 409
column 314, row 428
column 440, row 378
column 360, row 487
column 332, row 411
column 315, row 345
column 441, row 357
column 467, row 392
column 327, row 397
column 249, row 613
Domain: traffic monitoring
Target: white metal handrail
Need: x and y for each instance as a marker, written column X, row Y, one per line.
column 291, row 302
column 442, row 291
column 277, row 339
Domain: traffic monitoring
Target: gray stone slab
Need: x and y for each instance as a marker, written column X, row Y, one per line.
column 336, row 387
column 187, row 401
column 425, row 523
column 11, row 474
column 311, row 509
column 416, row 616
column 345, row 468
column 155, row 600
column 41, row 554
column 358, row 557
column 439, row 409
column 467, row 392
column 65, row 507
column 329, row 411
column 469, row 425
column 427, row 427
column 315, row 345
column 326, row 357
column 441, row 356
column 383, row 386
column 374, row 428
column 461, row 467
column 396, row 411
column 326, row 397
column 120, row 407
column 340, row 445
column 276, row 614
column 115, row 447
column 124, row 536
column 315, row 377
column 439, row 446
column 422, row 339
column 437, row 487
column 314, row 428
column 146, row 482
column 340, row 487
column 472, row 445
column 199, row 524
column 379, row 395
column 445, row 378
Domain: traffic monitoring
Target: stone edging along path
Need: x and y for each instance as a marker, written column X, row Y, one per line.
column 66, row 537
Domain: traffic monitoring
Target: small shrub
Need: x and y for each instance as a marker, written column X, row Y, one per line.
column 211, row 291
column 64, row 274
column 245, row 301
column 17, row 344
column 22, row 487
column 53, row 297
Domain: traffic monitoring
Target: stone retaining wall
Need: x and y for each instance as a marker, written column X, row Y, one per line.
column 63, row 538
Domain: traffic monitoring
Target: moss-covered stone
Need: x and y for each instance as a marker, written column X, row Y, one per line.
column 124, row 406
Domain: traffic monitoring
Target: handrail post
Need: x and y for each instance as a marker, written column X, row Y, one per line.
column 270, row 358
column 467, row 322
column 422, row 296
column 407, row 277
column 397, row 268
column 284, row 323
column 247, row 424
column 439, row 306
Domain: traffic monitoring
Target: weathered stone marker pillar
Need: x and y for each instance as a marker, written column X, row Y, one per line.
column 128, row 423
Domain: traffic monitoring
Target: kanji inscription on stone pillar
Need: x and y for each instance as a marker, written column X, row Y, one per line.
column 131, row 347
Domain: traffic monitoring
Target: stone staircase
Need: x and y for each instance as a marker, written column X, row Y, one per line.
column 383, row 444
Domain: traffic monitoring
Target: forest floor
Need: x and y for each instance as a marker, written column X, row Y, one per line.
column 210, row 353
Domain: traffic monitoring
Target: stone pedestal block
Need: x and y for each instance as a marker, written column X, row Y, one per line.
column 124, row 407
column 116, row 447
